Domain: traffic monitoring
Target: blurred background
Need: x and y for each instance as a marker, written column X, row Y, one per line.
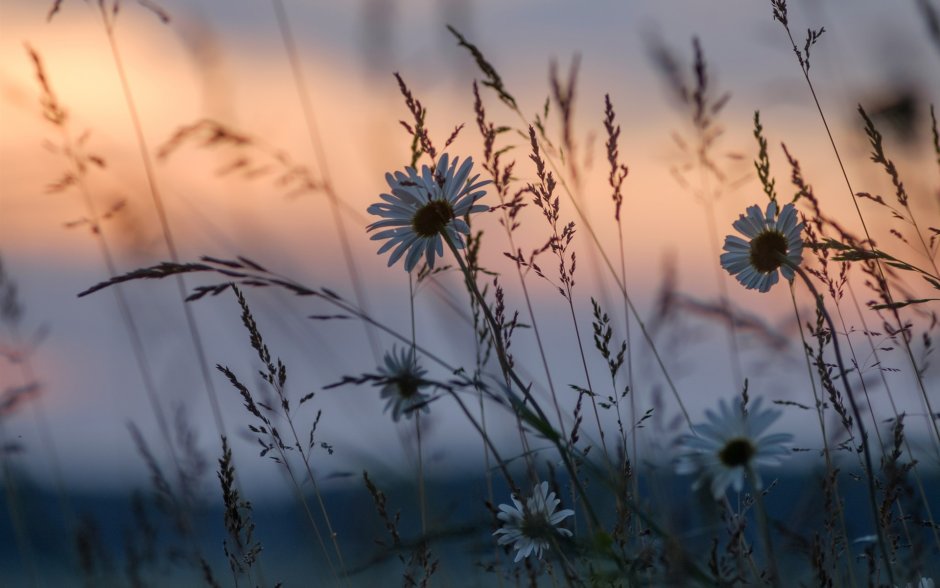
column 225, row 61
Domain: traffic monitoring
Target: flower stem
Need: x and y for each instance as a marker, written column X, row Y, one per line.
column 504, row 364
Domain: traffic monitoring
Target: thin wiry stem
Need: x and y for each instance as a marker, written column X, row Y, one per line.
column 587, row 376
column 508, row 224
column 124, row 308
column 192, row 326
column 422, row 502
column 630, row 383
column 508, row 211
column 510, row 373
column 277, row 383
column 500, row 462
column 866, row 450
column 623, row 290
column 49, row 443
column 535, row 327
column 339, row 222
column 298, row 492
column 305, row 455
column 422, row 497
column 764, row 525
column 870, row 243
column 21, row 536
column 894, row 409
column 585, row 222
column 819, row 405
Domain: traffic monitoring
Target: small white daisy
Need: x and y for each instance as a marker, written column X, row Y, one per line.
column 730, row 445
column 532, row 526
column 402, row 381
column 423, row 207
column 755, row 263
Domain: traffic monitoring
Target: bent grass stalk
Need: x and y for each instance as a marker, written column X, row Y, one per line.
column 249, row 273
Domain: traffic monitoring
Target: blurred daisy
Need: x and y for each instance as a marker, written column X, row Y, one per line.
column 533, row 525
column 924, row 582
column 730, row 445
column 402, row 380
column 422, row 207
column 755, row 262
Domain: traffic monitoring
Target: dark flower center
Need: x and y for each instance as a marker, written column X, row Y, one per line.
column 766, row 250
column 407, row 386
column 431, row 218
column 737, row 452
column 536, row 526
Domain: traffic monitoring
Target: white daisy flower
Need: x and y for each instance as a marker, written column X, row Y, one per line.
column 730, row 445
column 423, row 207
column 532, row 526
column 402, row 381
column 755, row 262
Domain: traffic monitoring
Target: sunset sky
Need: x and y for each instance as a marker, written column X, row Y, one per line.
column 225, row 61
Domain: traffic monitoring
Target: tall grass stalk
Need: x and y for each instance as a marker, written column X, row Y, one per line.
column 866, row 449
column 780, row 14
column 820, row 409
column 835, row 288
column 303, row 95
column 507, row 99
column 510, row 374
column 109, row 22
column 276, row 377
column 508, row 210
column 21, row 536
column 559, row 242
column 764, row 526
column 29, row 391
column 57, row 115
